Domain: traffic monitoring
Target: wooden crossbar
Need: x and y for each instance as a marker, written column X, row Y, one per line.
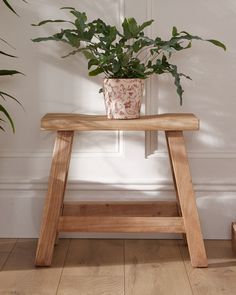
column 140, row 209
column 121, row 224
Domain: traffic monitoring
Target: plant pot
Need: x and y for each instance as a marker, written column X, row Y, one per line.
column 123, row 98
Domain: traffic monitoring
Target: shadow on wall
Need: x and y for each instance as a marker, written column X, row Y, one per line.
column 51, row 84
column 211, row 94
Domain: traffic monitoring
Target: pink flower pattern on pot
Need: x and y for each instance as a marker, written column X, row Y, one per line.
column 123, row 98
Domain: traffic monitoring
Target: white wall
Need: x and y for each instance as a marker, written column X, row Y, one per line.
column 113, row 165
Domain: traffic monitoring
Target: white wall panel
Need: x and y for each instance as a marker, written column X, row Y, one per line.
column 109, row 164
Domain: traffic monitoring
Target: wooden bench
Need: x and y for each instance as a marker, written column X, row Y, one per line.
column 178, row 216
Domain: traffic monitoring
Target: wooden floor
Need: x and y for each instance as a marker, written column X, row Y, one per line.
column 116, row 267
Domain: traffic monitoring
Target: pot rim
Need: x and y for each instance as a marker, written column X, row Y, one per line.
column 124, row 79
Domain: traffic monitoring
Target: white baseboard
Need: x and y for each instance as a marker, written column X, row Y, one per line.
column 22, row 204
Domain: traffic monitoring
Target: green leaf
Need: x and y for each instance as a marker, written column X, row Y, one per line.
column 50, row 21
column 81, row 16
column 174, row 32
column 126, row 29
column 96, row 72
column 88, row 55
column 7, row 54
column 55, row 37
column 40, row 39
column 115, row 66
column 51, row 38
column 133, row 26
column 5, row 112
column 187, row 36
column 174, row 72
column 74, row 52
column 69, row 8
column 9, row 72
column 189, row 45
column 187, row 77
column 145, row 24
column 81, row 19
column 93, row 62
column 7, row 43
column 73, row 39
column 217, row 43
column 9, row 6
column 2, row 94
column 130, row 27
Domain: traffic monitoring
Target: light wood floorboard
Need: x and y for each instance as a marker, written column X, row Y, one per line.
column 220, row 277
column 6, row 246
column 93, row 267
column 116, row 267
column 19, row 276
column 155, row 267
column 3, row 259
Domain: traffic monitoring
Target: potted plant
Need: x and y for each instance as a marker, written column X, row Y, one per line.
column 125, row 58
column 7, row 72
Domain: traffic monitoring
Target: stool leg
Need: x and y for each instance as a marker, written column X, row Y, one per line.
column 234, row 236
column 55, row 196
column 176, row 191
column 179, row 162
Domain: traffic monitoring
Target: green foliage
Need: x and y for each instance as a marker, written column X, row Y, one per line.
column 4, row 95
column 9, row 6
column 126, row 54
column 3, row 72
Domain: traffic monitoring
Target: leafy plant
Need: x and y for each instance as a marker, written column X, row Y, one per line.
column 4, row 72
column 126, row 54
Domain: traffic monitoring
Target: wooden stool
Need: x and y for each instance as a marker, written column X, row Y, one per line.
column 181, row 216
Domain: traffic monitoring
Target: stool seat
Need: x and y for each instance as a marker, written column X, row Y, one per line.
column 178, row 216
column 78, row 122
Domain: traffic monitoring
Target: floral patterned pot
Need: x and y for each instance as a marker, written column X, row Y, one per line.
column 123, row 98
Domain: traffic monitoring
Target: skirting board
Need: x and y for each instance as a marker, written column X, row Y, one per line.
column 21, row 210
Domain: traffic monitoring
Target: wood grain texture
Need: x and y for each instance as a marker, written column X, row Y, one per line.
column 94, row 267
column 234, row 236
column 6, row 245
column 178, row 156
column 3, row 259
column 119, row 218
column 79, row 122
column 155, row 267
column 118, row 267
column 175, row 186
column 141, row 209
column 55, row 196
column 19, row 276
column 220, row 277
column 121, row 224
